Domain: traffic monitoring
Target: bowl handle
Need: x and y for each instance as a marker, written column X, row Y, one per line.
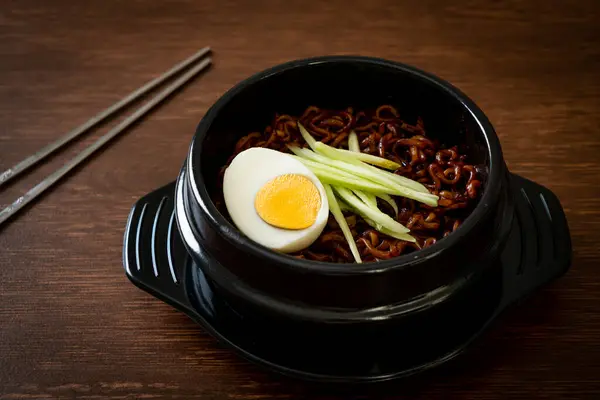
column 154, row 256
column 539, row 249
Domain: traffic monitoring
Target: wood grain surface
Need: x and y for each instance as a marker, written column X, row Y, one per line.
column 72, row 325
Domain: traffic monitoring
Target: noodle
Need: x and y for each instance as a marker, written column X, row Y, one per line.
column 445, row 171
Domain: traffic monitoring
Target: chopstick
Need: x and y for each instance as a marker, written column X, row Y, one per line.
column 96, row 119
column 51, row 179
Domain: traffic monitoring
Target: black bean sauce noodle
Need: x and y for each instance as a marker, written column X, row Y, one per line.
column 444, row 170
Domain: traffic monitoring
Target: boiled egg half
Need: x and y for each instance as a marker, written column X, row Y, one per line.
column 275, row 200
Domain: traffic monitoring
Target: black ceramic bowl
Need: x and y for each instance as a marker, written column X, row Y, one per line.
column 345, row 322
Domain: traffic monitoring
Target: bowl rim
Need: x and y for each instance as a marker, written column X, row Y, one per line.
column 240, row 241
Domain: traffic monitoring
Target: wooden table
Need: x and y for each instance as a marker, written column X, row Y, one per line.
column 71, row 325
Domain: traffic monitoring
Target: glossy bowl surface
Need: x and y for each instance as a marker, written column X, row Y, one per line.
column 337, row 82
column 345, row 322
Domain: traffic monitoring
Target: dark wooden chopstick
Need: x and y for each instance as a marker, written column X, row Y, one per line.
column 51, row 179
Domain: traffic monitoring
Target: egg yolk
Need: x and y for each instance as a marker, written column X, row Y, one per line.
column 289, row 201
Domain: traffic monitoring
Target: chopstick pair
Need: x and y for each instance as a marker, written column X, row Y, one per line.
column 51, row 179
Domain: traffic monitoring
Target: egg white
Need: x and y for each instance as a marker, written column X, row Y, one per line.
column 249, row 171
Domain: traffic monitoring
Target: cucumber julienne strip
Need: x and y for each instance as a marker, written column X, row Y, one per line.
column 307, row 136
column 377, row 226
column 349, row 169
column 330, row 175
column 355, row 156
column 348, row 155
column 354, row 183
column 367, row 198
column 388, row 199
column 393, row 179
column 353, row 142
column 323, row 167
column 354, row 146
column 344, row 206
column 326, row 177
column 402, row 236
column 361, row 172
column 368, row 158
column 364, row 157
column 341, row 220
column 377, row 216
